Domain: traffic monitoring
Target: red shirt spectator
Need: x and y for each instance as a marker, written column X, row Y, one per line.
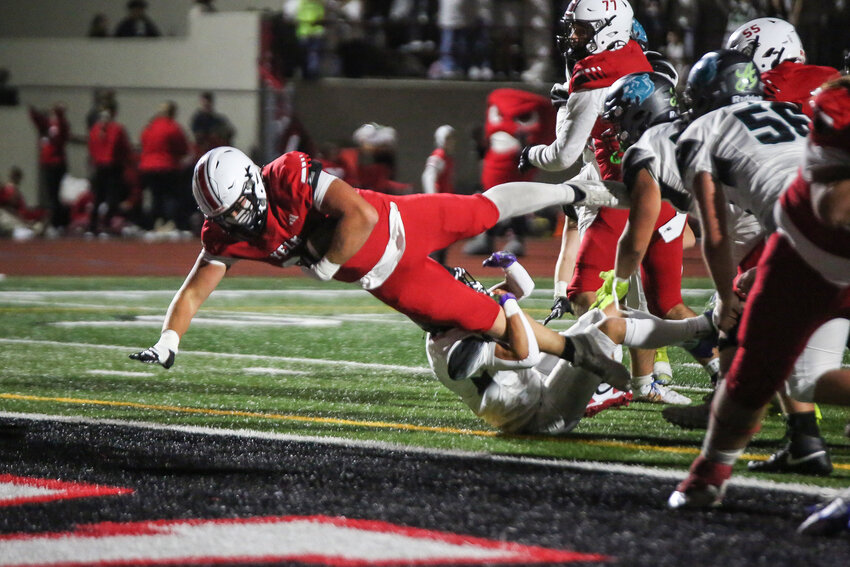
column 109, row 144
column 164, row 144
column 53, row 132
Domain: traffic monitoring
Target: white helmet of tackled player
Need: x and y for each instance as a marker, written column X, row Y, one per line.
column 229, row 190
column 769, row 41
column 594, row 26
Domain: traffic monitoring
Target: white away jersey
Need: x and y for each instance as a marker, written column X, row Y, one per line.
column 753, row 149
column 655, row 151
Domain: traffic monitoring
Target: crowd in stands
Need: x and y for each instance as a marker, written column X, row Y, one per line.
column 143, row 185
column 513, row 39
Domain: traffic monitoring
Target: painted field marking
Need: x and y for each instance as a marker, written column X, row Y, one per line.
column 322, row 540
column 237, row 356
column 18, row 490
column 590, row 466
column 120, row 373
column 369, row 424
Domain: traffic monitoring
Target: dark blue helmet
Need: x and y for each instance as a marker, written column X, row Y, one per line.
column 721, row 78
column 638, row 101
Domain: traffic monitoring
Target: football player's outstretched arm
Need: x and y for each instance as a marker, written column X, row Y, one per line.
column 199, row 284
column 645, row 207
column 356, row 217
column 717, row 248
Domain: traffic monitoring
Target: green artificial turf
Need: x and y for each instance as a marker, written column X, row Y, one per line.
column 298, row 357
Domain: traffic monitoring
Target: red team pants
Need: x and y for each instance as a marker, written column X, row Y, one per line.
column 788, row 302
column 420, row 287
column 661, row 268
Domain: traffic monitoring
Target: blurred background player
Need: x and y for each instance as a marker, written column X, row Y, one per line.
column 438, row 175
column 514, row 118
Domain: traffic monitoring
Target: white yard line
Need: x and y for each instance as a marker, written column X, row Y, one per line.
column 236, row 356
column 591, row 466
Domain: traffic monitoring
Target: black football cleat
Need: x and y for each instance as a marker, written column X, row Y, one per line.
column 805, row 455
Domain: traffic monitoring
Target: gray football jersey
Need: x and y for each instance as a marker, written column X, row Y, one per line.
column 753, row 149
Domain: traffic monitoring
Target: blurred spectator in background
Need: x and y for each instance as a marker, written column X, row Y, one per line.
column 310, row 32
column 137, row 23
column 8, row 94
column 675, row 52
column 109, row 152
column 99, row 26
column 464, row 40
column 210, row 128
column 203, row 7
column 537, row 42
column 16, row 219
column 53, row 133
column 376, row 159
column 438, row 175
column 101, row 98
column 165, row 149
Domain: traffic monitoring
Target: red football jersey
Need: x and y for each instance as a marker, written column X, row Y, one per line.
column 600, row 71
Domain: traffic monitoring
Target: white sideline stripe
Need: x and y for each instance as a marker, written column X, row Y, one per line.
column 272, row 371
column 254, row 357
column 120, row 373
column 205, row 321
column 590, row 466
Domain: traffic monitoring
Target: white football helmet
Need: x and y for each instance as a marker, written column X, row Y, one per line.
column 769, row 41
column 229, row 190
column 594, row 26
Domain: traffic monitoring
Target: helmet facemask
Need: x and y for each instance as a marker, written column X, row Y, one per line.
column 246, row 218
column 579, row 37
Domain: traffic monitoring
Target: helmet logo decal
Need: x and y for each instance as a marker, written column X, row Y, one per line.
column 747, row 78
column 638, row 89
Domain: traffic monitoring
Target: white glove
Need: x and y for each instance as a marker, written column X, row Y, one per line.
column 323, row 270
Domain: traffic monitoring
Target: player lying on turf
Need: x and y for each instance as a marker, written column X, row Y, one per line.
column 293, row 212
column 803, row 277
column 515, row 388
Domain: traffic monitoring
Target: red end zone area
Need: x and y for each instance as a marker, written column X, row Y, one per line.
column 78, row 257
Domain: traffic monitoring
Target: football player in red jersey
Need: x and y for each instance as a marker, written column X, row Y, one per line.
column 597, row 38
column 809, row 251
column 778, row 53
column 292, row 211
